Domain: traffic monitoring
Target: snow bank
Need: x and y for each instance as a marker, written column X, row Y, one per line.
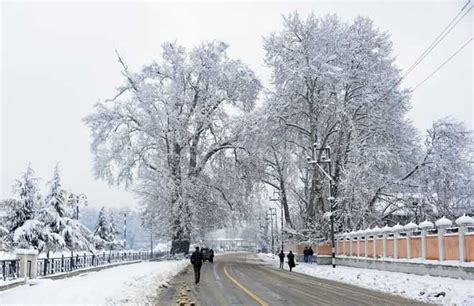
column 422, row 288
column 134, row 283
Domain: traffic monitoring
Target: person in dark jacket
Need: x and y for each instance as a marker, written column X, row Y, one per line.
column 211, row 255
column 282, row 258
column 291, row 260
column 310, row 255
column 196, row 261
column 305, row 253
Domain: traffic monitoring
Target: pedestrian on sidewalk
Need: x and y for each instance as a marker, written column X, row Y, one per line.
column 305, row 254
column 282, row 259
column 196, row 261
column 310, row 255
column 211, row 256
column 291, row 260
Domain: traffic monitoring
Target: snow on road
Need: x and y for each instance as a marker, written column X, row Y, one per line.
column 422, row 288
column 134, row 283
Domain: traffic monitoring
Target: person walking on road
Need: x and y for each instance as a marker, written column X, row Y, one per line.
column 310, row 255
column 291, row 260
column 196, row 261
column 282, row 259
column 305, row 253
column 211, row 256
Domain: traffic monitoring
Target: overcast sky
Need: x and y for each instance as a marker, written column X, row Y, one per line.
column 57, row 60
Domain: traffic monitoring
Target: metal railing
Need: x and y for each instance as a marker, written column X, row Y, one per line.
column 64, row 264
column 10, row 269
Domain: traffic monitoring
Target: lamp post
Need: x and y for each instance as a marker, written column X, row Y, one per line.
column 125, row 230
column 277, row 197
column 76, row 200
column 415, row 206
column 322, row 157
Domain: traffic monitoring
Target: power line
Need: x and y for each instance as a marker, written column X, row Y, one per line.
column 452, row 24
column 444, row 63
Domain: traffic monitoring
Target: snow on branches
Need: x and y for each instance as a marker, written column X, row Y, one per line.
column 167, row 125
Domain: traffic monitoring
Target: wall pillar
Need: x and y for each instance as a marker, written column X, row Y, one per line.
column 28, row 263
column 385, row 230
column 409, row 228
column 424, row 226
column 358, row 242
column 344, row 240
column 442, row 224
column 366, row 242
column 463, row 222
column 396, row 232
column 375, row 231
column 351, row 237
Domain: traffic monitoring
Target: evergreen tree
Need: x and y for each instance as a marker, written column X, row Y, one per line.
column 57, row 195
column 102, row 229
column 24, row 209
column 112, row 228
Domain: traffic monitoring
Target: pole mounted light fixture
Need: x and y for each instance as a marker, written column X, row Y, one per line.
column 77, row 199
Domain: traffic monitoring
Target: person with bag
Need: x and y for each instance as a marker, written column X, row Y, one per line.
column 291, row 260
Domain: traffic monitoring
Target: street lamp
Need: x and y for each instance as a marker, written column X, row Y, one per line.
column 415, row 207
column 125, row 230
column 277, row 197
column 322, row 157
column 76, row 200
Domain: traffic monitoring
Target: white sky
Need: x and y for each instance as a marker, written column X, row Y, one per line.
column 57, row 60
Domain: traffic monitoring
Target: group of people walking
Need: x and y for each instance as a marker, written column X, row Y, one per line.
column 291, row 260
column 308, row 254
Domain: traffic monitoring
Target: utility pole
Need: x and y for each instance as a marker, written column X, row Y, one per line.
column 272, row 212
column 270, row 217
column 322, row 156
column 277, row 197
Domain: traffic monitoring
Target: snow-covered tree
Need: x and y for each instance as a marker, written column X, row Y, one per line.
column 112, row 228
column 29, row 199
column 56, row 196
column 443, row 180
column 167, row 125
column 102, row 228
column 335, row 84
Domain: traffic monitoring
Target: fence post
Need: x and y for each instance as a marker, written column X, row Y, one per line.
column 344, row 238
column 385, row 230
column 424, row 226
column 396, row 232
column 442, row 224
column 366, row 234
column 351, row 237
column 28, row 263
column 359, row 235
column 409, row 228
column 375, row 231
column 463, row 222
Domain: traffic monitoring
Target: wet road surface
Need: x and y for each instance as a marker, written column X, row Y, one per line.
column 243, row 279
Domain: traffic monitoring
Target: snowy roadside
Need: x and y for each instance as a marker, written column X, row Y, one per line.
column 422, row 288
column 134, row 283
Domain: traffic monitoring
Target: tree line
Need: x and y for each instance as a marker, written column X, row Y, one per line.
column 50, row 223
column 200, row 141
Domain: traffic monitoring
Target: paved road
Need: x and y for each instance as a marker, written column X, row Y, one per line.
column 243, row 279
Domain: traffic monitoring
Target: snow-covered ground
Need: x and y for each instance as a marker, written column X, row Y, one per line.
column 134, row 283
column 422, row 288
